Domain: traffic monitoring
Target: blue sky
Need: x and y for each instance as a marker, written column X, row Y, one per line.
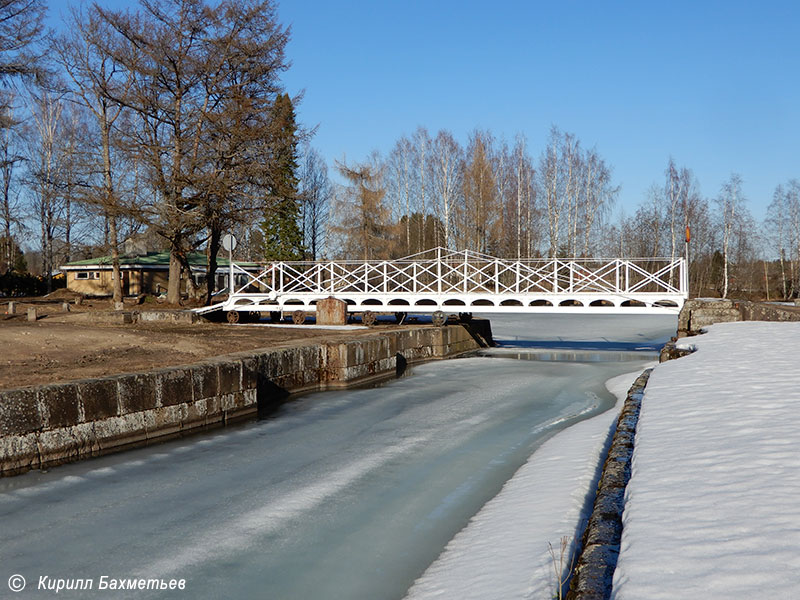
column 713, row 84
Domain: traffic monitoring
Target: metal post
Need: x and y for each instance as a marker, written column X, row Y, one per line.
column 465, row 271
column 627, row 275
column 685, row 289
column 439, row 270
column 230, row 266
column 555, row 275
column 571, row 276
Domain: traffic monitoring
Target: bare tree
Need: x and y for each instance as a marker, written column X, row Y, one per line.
column 446, row 160
column 480, row 210
column 316, row 193
column 204, row 78
column 731, row 215
column 43, row 166
column 550, row 182
column 95, row 79
column 400, row 176
column 421, row 144
column 10, row 158
column 21, row 24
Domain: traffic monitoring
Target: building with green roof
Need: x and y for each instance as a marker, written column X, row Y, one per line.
column 143, row 273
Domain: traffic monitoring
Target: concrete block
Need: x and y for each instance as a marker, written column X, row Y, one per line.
column 19, row 412
column 99, row 398
column 230, row 377
column 250, row 373
column 32, row 313
column 136, row 392
column 169, row 316
column 205, row 379
column 196, row 413
column 19, row 453
column 59, row 405
column 12, row 308
column 119, row 431
column 331, row 311
column 66, row 443
column 174, row 386
column 167, row 420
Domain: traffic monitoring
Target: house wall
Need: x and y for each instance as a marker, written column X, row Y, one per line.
column 89, row 287
column 134, row 282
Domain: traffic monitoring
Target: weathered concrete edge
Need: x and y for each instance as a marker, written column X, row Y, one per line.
column 52, row 424
column 594, row 569
column 699, row 313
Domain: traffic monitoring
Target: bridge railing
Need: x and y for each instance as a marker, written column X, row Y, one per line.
column 471, row 273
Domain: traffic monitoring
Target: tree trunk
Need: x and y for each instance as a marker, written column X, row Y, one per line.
column 115, row 270
column 174, row 285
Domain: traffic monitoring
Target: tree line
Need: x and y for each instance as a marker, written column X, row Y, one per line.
column 487, row 196
column 168, row 123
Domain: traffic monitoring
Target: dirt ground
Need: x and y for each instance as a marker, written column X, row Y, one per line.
column 64, row 346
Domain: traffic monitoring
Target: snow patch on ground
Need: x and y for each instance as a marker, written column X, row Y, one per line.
column 503, row 552
column 712, row 509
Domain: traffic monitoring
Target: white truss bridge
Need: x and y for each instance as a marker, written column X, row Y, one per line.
column 445, row 281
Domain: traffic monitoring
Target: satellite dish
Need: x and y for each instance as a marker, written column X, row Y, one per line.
column 229, row 242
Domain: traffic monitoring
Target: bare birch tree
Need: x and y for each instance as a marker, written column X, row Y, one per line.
column 43, row 168
column 446, row 160
column 550, row 183
column 730, row 206
column 399, row 171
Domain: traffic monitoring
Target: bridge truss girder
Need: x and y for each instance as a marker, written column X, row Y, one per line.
column 469, row 282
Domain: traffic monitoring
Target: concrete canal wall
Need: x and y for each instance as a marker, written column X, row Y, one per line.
column 702, row 312
column 51, row 424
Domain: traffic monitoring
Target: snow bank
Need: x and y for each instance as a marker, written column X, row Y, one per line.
column 503, row 552
column 712, row 507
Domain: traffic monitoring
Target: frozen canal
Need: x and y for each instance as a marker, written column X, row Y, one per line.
column 345, row 495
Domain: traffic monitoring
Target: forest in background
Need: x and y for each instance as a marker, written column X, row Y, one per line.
column 164, row 127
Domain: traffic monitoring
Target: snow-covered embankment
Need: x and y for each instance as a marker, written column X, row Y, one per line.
column 711, row 508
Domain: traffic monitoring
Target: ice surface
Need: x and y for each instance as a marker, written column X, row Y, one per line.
column 711, row 510
column 504, row 551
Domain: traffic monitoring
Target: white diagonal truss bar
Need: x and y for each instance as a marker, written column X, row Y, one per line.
column 468, row 281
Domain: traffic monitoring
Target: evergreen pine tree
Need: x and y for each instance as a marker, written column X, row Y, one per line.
column 283, row 239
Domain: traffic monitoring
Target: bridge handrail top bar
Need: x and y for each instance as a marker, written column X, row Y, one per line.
column 406, row 260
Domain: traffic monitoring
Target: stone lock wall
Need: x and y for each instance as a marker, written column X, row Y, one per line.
column 62, row 422
column 702, row 312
